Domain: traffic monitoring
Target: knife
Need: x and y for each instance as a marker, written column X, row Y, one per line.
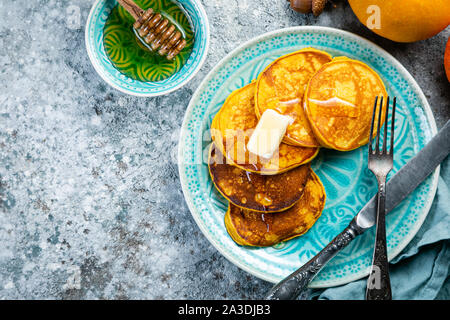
column 400, row 186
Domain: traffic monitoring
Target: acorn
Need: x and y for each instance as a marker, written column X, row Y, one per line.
column 302, row 6
column 307, row 6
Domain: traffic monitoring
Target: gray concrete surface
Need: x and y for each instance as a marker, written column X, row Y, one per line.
column 90, row 205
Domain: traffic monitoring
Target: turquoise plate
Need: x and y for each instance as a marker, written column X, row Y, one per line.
column 348, row 182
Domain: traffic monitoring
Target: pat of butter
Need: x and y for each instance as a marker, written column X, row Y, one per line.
column 268, row 133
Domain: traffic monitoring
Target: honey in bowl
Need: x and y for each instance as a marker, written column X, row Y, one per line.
column 133, row 57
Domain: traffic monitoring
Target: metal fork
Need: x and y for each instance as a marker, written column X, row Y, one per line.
column 380, row 163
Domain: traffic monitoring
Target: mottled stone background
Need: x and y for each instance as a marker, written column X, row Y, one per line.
column 90, row 201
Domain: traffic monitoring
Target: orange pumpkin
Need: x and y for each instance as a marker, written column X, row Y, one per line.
column 403, row 20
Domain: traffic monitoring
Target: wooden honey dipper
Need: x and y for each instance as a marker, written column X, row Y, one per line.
column 156, row 31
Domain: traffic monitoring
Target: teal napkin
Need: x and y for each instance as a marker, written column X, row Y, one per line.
column 421, row 270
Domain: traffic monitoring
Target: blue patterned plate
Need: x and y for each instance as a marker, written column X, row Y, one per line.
column 96, row 51
column 348, row 182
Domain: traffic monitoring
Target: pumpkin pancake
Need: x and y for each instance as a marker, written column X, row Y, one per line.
column 232, row 127
column 266, row 229
column 339, row 103
column 257, row 192
column 281, row 87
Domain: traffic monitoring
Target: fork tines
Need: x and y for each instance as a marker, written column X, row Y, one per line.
column 380, row 108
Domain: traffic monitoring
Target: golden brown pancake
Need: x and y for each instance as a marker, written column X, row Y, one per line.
column 232, row 127
column 281, row 87
column 266, row 229
column 257, row 192
column 339, row 103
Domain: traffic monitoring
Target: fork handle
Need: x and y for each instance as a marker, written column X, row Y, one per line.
column 296, row 283
column 379, row 284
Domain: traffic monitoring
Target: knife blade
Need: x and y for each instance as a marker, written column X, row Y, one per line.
column 409, row 177
column 402, row 183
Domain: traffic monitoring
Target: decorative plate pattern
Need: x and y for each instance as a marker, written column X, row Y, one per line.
column 96, row 51
column 348, row 182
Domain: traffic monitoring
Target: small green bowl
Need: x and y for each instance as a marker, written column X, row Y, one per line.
column 96, row 51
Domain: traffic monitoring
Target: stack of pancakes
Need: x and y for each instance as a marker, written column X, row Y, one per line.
column 330, row 102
